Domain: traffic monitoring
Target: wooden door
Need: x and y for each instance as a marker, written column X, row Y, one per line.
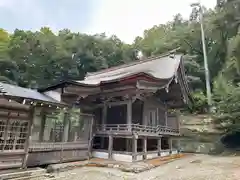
column 117, row 114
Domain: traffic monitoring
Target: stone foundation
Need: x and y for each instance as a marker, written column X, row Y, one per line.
column 124, row 157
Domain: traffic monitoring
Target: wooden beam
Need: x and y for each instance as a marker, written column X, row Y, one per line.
column 118, row 103
column 120, row 88
column 10, row 116
column 89, row 91
column 115, row 93
column 77, row 90
column 141, row 84
column 114, row 135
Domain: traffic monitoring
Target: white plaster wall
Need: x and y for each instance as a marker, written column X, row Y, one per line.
column 152, row 155
column 98, row 154
column 165, row 153
column 122, row 157
column 115, row 156
column 139, row 157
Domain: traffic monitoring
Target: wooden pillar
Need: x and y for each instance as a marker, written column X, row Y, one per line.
column 43, row 122
column 166, row 118
column 104, row 113
column 66, row 127
column 29, row 137
column 134, row 148
column 104, row 120
column 166, row 114
column 159, row 146
column 129, row 123
column 178, row 145
column 145, row 148
column 170, row 144
column 178, row 123
column 110, row 146
column 128, row 145
column 129, row 114
column 6, row 131
column 90, row 141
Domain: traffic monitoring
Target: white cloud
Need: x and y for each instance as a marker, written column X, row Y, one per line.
column 129, row 18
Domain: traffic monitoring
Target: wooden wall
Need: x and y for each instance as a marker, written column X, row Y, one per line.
column 59, row 139
column 117, row 114
column 57, row 153
column 137, row 112
column 154, row 113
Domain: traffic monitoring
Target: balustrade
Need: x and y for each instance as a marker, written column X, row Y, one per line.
column 129, row 128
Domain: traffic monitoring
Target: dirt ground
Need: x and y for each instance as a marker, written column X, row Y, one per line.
column 197, row 167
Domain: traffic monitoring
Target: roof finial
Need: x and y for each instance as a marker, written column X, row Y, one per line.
column 139, row 55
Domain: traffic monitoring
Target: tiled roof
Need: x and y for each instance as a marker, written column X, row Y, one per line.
column 16, row 91
column 164, row 67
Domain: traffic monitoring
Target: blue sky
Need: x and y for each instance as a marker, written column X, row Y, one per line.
column 125, row 18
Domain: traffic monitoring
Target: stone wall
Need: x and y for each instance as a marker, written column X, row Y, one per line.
column 198, row 134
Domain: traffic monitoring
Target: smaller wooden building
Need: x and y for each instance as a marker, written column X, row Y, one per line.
column 38, row 129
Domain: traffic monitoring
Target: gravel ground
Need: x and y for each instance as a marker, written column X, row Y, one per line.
column 197, row 167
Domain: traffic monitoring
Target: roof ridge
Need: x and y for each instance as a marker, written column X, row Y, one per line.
column 131, row 63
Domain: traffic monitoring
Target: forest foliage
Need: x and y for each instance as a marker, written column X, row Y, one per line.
column 38, row 59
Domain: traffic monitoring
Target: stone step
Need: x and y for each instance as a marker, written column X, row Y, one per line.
column 22, row 174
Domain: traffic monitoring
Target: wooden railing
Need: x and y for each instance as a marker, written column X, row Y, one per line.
column 129, row 128
column 48, row 146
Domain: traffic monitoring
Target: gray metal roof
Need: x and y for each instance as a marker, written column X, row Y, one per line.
column 164, row 67
column 16, row 91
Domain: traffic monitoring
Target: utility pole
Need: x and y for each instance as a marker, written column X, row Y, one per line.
column 207, row 76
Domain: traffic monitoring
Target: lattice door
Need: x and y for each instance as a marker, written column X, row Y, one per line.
column 3, row 125
column 13, row 134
